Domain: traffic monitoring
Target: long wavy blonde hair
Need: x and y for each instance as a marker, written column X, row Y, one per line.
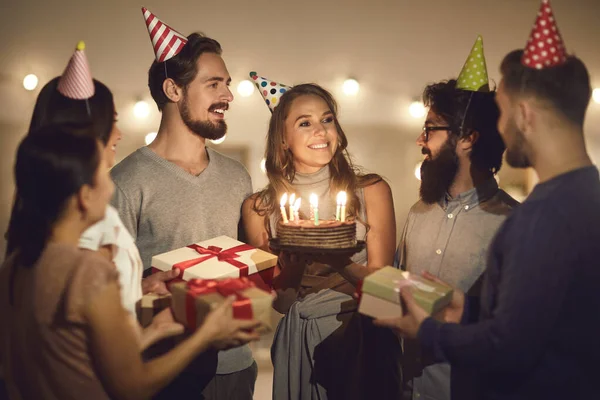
column 279, row 160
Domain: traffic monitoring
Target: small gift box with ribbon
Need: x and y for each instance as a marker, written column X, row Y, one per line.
column 194, row 299
column 380, row 293
column 149, row 305
column 219, row 258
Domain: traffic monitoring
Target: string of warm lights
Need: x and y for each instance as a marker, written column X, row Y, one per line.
column 350, row 88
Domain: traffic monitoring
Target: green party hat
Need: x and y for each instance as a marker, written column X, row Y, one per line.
column 474, row 76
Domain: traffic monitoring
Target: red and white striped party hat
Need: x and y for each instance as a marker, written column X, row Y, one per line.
column 270, row 90
column 545, row 47
column 76, row 81
column 166, row 41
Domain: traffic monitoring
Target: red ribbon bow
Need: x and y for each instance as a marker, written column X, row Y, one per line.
column 229, row 256
column 242, row 306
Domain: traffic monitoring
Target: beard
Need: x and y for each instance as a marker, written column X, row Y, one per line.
column 205, row 129
column 437, row 174
column 516, row 155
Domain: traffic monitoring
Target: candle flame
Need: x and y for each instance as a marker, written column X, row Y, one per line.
column 297, row 204
column 283, row 200
column 292, row 198
column 314, row 200
column 341, row 198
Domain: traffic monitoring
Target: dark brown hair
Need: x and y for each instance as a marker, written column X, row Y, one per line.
column 182, row 68
column 566, row 88
column 471, row 111
column 279, row 161
column 53, row 163
column 51, row 108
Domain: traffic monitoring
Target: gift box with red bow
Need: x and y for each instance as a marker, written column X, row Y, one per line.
column 149, row 305
column 219, row 258
column 194, row 299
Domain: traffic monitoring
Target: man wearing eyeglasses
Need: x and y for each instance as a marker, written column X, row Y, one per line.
column 449, row 229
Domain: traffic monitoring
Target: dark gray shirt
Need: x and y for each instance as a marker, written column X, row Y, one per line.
column 449, row 239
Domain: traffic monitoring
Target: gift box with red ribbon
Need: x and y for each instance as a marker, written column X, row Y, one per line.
column 219, row 258
column 194, row 299
column 149, row 305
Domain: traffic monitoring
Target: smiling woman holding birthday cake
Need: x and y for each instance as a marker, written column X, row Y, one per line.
column 319, row 211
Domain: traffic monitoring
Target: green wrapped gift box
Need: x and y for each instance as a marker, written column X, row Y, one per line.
column 380, row 293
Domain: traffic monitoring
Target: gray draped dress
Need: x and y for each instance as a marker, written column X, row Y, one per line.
column 322, row 348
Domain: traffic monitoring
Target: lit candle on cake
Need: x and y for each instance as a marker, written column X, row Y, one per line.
column 292, row 200
column 338, row 209
column 342, row 203
column 297, row 209
column 282, row 203
column 314, row 207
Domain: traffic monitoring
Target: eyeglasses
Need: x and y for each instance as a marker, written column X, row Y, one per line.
column 427, row 129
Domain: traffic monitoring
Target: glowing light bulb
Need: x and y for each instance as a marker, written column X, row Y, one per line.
column 141, row 109
column 263, row 166
column 30, row 82
column 150, row 138
column 417, row 109
column 219, row 141
column 596, row 95
column 418, row 170
column 350, row 87
column 245, row 88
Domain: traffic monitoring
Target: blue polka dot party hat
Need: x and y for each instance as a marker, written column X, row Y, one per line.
column 270, row 90
column 474, row 76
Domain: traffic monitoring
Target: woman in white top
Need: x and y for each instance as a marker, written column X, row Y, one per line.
column 75, row 98
column 65, row 334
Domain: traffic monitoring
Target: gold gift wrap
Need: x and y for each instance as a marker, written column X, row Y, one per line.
column 193, row 300
column 149, row 305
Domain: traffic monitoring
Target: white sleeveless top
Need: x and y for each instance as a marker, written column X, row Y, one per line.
column 111, row 232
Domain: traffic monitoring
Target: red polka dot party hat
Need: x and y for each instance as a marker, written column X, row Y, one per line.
column 545, row 47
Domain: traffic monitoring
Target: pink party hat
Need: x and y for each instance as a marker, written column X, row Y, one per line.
column 76, row 81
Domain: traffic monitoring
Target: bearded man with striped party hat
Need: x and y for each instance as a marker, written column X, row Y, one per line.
column 536, row 330
column 448, row 231
column 177, row 191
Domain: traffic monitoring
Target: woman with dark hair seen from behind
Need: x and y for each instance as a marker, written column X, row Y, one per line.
column 322, row 348
column 76, row 98
column 67, row 334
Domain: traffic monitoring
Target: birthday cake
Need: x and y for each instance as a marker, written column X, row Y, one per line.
column 326, row 235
